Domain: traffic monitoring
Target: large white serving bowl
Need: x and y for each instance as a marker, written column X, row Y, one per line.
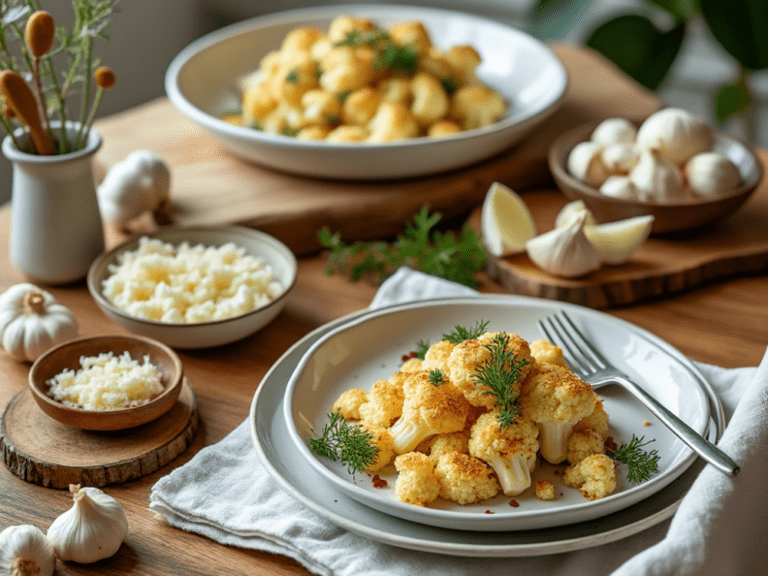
column 204, row 334
column 202, row 82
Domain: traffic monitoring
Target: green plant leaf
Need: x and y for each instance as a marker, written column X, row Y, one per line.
column 731, row 99
column 636, row 46
column 553, row 19
column 679, row 9
column 741, row 28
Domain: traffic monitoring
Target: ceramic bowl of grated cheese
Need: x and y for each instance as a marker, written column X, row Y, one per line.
column 107, row 382
column 194, row 287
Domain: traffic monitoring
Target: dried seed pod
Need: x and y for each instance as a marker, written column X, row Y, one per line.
column 104, row 77
column 20, row 99
column 40, row 33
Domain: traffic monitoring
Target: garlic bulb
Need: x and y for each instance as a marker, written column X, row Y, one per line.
column 138, row 184
column 676, row 134
column 32, row 321
column 571, row 211
column 620, row 158
column 656, row 178
column 565, row 251
column 710, row 173
column 619, row 187
column 25, row 551
column 93, row 529
column 618, row 241
column 614, row 131
column 585, row 163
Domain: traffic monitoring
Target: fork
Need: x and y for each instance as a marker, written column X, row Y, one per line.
column 591, row 366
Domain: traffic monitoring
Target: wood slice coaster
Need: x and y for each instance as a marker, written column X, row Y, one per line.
column 41, row 450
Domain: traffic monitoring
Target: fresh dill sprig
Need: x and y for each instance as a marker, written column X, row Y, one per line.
column 500, row 373
column 436, row 377
column 420, row 247
column 398, row 59
column 640, row 463
column 461, row 333
column 350, row 445
column 421, row 349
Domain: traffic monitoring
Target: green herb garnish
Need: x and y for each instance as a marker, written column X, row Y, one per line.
column 332, row 119
column 350, row 445
column 421, row 349
column 292, row 76
column 500, row 373
column 342, row 96
column 436, row 377
column 419, row 247
column 640, row 463
column 449, row 85
column 461, row 333
column 292, row 132
column 398, row 59
column 256, row 126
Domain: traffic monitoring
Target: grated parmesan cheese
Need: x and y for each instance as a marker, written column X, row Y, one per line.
column 106, row 381
column 188, row 284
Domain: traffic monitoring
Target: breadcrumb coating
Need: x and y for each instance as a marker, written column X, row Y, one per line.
column 416, row 481
column 436, row 356
column 544, row 351
column 465, row 479
column 412, row 365
column 545, row 490
column 470, row 354
column 597, row 420
column 349, row 402
column 384, row 405
column 382, row 438
column 584, row 442
column 595, row 476
column 451, row 442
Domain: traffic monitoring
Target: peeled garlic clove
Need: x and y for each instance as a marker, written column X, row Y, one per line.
column 505, row 221
column 585, row 163
column 619, row 187
column 93, row 529
column 565, row 251
column 676, row 134
column 618, row 241
column 620, row 158
column 614, row 131
column 656, row 178
column 710, row 173
column 571, row 211
column 24, row 550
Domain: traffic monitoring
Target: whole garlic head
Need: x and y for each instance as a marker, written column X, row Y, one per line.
column 676, row 134
column 565, row 251
column 614, row 131
column 138, row 184
column 586, row 164
column 711, row 173
column 25, row 551
column 619, row 187
column 93, row 529
column 656, row 178
column 620, row 158
column 571, row 212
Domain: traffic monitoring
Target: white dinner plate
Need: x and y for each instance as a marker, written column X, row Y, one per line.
column 202, row 82
column 294, row 475
column 361, row 352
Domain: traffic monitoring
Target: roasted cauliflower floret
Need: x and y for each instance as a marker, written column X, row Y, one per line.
column 584, row 442
column 320, row 107
column 416, row 481
column 412, row 365
column 384, row 404
column 544, row 490
column 312, row 133
column 392, row 122
column 443, row 128
column 595, row 476
column 360, row 106
column 597, row 420
column 467, row 357
column 412, row 34
column 301, row 39
column 349, row 402
column 427, row 410
column 556, row 399
column 544, row 351
column 293, row 78
column 436, row 356
column 347, row 133
column 465, row 479
column 382, row 438
column 396, row 90
column 464, row 60
column 342, row 26
column 444, row 443
column 510, row 451
column 475, row 106
column 430, row 102
column 258, row 103
column 345, row 68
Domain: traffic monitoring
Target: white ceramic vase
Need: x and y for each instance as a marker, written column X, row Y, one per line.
column 56, row 228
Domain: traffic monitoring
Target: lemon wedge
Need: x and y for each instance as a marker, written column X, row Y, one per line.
column 505, row 221
column 618, row 241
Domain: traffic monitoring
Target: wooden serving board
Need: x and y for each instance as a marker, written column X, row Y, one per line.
column 662, row 266
column 212, row 186
column 41, row 450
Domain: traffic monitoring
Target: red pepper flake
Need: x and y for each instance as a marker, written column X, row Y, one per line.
column 414, row 354
column 489, row 512
column 405, row 358
column 379, row 482
column 514, row 503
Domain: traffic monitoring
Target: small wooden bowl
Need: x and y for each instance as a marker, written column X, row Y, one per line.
column 68, row 354
column 669, row 217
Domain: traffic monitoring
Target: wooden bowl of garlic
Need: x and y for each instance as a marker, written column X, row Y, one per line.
column 107, row 382
column 673, row 167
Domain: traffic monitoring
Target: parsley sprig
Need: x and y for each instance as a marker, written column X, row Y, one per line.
column 500, row 373
column 640, row 463
column 398, row 59
column 350, row 445
column 461, row 333
column 420, row 247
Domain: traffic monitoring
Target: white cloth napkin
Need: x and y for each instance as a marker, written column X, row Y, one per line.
column 225, row 493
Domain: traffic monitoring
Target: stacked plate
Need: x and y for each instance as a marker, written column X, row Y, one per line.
column 357, row 350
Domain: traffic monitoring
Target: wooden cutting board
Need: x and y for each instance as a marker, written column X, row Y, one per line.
column 662, row 266
column 210, row 185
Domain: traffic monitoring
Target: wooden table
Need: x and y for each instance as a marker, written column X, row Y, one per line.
column 724, row 323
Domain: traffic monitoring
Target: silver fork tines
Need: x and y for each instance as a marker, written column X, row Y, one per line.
column 589, row 364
